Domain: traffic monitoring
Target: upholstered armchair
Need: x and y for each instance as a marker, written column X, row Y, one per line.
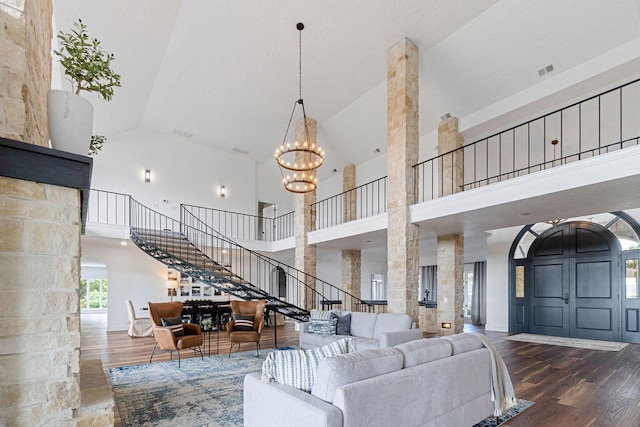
column 246, row 323
column 171, row 333
column 138, row 326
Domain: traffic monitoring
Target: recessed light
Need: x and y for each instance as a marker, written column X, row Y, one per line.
column 123, row 243
column 525, row 213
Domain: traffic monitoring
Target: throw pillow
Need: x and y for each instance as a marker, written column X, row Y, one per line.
column 243, row 323
column 297, row 368
column 344, row 325
column 323, row 327
column 175, row 324
column 322, row 314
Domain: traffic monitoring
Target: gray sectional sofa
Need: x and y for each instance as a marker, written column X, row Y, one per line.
column 428, row 382
column 369, row 330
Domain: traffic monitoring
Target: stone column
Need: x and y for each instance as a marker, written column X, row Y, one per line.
column 351, row 258
column 450, row 253
column 450, row 259
column 451, row 162
column 402, row 154
column 305, row 254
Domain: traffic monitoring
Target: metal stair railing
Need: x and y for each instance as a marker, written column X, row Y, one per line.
column 307, row 290
column 164, row 239
column 237, row 225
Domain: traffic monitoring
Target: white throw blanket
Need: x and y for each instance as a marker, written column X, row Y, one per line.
column 502, row 393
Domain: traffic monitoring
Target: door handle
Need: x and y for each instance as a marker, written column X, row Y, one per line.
column 565, row 297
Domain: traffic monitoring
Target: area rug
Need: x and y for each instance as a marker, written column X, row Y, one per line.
column 201, row 393
column 569, row 342
column 493, row 421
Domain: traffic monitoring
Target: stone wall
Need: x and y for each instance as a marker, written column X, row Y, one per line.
column 39, row 309
column 25, row 71
column 39, row 241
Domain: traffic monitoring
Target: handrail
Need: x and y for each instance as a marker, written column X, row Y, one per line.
column 360, row 202
column 587, row 128
column 245, row 226
column 258, row 268
column 108, row 207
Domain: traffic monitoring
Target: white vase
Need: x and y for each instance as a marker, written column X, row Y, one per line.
column 70, row 121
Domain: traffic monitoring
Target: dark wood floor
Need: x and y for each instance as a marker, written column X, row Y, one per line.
column 570, row 387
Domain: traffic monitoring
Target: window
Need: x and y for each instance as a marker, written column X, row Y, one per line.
column 468, row 290
column 378, row 291
column 93, row 293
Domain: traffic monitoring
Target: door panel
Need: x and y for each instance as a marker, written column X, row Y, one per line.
column 630, row 297
column 593, row 301
column 550, row 312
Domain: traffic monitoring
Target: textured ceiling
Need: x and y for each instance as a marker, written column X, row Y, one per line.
column 225, row 72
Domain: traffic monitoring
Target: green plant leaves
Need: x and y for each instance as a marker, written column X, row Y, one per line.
column 86, row 63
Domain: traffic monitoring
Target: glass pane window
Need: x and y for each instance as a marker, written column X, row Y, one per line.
column 83, row 293
column 468, row 292
column 631, row 278
column 520, row 281
column 93, row 293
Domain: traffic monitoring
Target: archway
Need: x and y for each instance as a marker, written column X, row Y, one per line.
column 574, row 278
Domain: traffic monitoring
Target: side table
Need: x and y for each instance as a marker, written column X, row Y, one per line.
column 207, row 333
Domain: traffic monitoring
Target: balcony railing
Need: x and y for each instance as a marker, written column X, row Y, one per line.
column 361, row 202
column 236, row 225
column 594, row 126
column 109, row 208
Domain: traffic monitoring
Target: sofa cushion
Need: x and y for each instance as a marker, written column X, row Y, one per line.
column 461, row 343
column 323, row 327
column 425, row 350
column 297, row 368
column 363, row 324
column 344, row 325
column 337, row 371
column 388, row 322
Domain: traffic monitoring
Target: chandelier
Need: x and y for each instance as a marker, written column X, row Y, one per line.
column 299, row 160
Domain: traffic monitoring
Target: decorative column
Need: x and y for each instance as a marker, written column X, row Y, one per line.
column 450, row 259
column 402, row 154
column 450, row 252
column 351, row 258
column 305, row 254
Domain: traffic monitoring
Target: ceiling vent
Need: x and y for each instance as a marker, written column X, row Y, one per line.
column 544, row 70
column 240, row 151
column 182, row 133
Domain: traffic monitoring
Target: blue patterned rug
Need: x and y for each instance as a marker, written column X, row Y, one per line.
column 201, row 393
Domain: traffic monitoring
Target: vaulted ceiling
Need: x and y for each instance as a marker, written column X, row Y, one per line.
column 225, row 73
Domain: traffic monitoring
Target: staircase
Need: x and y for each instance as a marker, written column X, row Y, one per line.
column 196, row 250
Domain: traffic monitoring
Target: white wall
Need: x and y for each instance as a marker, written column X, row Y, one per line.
column 132, row 275
column 498, row 245
column 181, row 172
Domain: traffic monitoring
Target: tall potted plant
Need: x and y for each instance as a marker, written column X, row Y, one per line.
column 88, row 68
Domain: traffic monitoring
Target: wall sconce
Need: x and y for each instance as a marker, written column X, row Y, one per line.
column 147, row 175
column 223, row 191
column 446, row 325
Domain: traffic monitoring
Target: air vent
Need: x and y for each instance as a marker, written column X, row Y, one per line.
column 240, row 151
column 544, row 70
column 182, row 133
